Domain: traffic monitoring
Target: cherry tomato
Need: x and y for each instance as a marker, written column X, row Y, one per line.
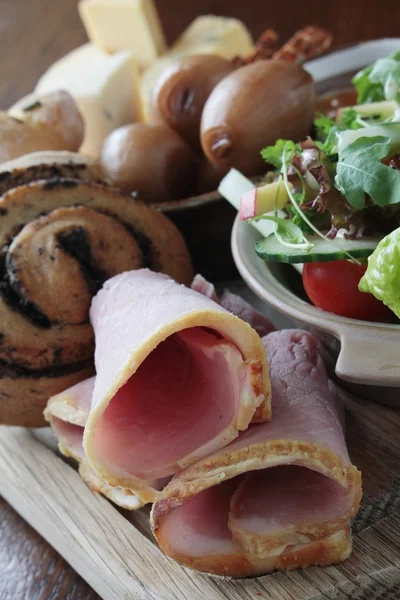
column 333, row 286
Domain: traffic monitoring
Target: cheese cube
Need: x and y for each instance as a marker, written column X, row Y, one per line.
column 105, row 88
column 118, row 25
column 208, row 34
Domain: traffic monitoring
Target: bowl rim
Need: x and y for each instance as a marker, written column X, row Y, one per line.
column 286, row 300
column 369, row 351
column 171, row 206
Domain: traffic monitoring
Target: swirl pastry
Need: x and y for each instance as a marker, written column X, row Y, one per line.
column 60, row 240
column 46, row 165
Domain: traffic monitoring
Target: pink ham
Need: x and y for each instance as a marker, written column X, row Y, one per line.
column 245, row 311
column 177, row 377
column 67, row 414
column 282, row 494
column 201, row 285
column 236, row 305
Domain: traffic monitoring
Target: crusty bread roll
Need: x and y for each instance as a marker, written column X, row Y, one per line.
column 56, row 111
column 50, row 122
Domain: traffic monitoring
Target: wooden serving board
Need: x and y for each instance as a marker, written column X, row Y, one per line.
column 115, row 553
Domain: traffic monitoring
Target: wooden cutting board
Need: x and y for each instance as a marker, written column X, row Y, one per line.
column 115, row 553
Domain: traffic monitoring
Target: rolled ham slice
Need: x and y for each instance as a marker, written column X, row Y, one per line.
column 178, row 377
column 282, row 494
column 68, row 411
column 67, row 414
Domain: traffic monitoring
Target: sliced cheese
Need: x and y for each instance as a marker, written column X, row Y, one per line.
column 208, row 34
column 105, row 87
column 118, row 25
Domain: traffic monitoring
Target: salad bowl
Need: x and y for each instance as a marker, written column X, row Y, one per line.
column 364, row 356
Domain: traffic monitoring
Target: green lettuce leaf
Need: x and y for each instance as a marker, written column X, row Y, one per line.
column 382, row 277
column 360, row 172
column 330, row 145
column 380, row 81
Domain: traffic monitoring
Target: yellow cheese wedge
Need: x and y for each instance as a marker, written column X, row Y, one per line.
column 118, row 25
column 105, row 87
column 208, row 34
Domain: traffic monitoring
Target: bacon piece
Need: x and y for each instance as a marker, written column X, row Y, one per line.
column 265, row 47
column 304, row 45
column 178, row 377
column 282, row 494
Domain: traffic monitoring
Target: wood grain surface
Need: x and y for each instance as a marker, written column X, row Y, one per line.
column 119, row 558
column 34, row 33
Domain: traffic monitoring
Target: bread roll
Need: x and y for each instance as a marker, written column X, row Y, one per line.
column 50, row 122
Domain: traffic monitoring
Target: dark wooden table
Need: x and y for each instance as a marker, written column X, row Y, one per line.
column 33, row 33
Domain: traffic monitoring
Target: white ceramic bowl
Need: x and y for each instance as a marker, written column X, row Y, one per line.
column 365, row 356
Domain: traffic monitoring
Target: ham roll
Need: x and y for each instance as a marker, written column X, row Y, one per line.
column 282, row 494
column 60, row 239
column 177, row 377
column 67, row 414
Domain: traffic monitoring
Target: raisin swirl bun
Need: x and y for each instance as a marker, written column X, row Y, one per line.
column 45, row 165
column 60, row 239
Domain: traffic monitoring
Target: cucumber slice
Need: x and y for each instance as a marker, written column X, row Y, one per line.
column 271, row 250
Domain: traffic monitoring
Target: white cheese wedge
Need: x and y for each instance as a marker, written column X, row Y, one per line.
column 208, row 34
column 105, row 87
column 118, row 25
